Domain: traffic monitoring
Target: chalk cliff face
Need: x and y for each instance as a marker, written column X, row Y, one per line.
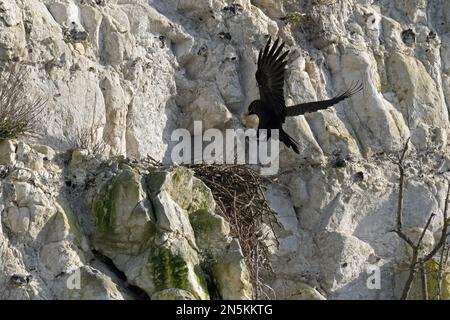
column 127, row 73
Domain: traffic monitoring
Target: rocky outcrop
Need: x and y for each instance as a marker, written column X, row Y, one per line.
column 112, row 229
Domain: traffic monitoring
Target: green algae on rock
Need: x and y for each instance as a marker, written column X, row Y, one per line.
column 158, row 228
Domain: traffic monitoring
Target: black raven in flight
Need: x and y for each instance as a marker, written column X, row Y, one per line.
column 271, row 108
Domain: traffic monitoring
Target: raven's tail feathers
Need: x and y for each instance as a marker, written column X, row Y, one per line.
column 289, row 141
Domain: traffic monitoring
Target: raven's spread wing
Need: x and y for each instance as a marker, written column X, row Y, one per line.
column 303, row 108
column 270, row 78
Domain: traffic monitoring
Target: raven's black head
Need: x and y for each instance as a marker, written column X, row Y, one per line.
column 252, row 108
column 251, row 118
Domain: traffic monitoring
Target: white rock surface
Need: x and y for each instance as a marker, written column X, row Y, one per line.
column 112, row 230
column 131, row 72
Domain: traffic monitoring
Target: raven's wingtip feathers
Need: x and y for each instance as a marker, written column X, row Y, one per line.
column 354, row 88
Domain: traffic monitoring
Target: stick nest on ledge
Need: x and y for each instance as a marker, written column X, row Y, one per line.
column 239, row 193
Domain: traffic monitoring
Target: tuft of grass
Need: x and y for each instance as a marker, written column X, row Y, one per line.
column 90, row 139
column 295, row 18
column 18, row 109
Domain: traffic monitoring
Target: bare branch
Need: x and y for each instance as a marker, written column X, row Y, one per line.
column 404, row 237
column 423, row 278
column 400, row 165
column 442, row 262
column 443, row 238
column 399, row 230
column 412, row 273
column 422, row 234
column 415, row 260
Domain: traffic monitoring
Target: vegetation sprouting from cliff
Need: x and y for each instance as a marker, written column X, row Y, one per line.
column 18, row 108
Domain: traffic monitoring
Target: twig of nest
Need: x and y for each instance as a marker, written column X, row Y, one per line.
column 239, row 194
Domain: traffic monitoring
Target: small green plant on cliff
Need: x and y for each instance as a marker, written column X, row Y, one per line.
column 90, row 139
column 324, row 2
column 18, row 108
column 294, row 18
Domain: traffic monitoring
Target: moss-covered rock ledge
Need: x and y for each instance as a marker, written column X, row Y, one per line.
column 160, row 229
column 74, row 226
